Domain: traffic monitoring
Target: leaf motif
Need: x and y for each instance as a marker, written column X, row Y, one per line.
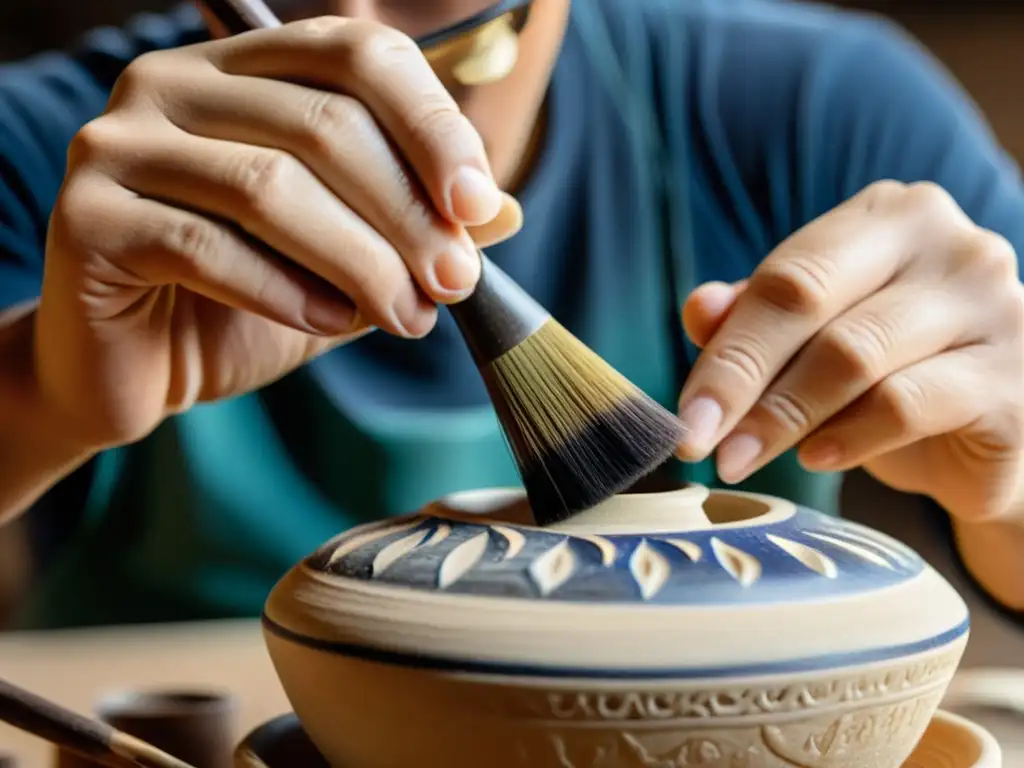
column 688, row 548
column 892, row 550
column 854, row 549
column 605, row 546
column 442, row 532
column 461, row 560
column 742, row 566
column 553, row 568
column 816, row 561
column 516, row 540
column 650, row 569
column 369, row 534
column 396, row 550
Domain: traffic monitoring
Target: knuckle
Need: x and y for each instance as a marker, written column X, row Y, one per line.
column 414, row 232
column 997, row 256
column 94, row 142
column 260, row 180
column 792, row 412
column 142, row 72
column 329, row 118
column 746, row 358
column 437, row 122
column 369, row 47
column 323, row 28
column 903, row 401
column 796, row 285
column 857, row 351
column 193, row 240
column 883, row 193
column 77, row 217
column 929, row 196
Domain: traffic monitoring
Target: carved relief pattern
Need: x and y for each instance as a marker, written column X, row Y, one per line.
column 862, row 688
column 876, row 736
column 750, row 564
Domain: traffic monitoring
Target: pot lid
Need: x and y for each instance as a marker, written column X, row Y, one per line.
column 711, row 578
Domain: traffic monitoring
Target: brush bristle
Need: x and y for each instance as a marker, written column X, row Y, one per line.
column 579, row 430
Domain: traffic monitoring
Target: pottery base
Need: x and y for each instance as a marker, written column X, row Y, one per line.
column 949, row 742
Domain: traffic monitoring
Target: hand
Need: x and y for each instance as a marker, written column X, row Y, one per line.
column 887, row 334
column 246, row 204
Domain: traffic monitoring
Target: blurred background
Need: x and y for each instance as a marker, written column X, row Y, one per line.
column 979, row 42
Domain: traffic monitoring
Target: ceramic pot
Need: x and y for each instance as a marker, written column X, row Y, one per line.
column 660, row 630
column 949, row 741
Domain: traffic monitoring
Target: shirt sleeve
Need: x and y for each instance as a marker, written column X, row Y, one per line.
column 43, row 103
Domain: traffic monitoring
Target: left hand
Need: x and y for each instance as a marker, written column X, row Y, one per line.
column 887, row 334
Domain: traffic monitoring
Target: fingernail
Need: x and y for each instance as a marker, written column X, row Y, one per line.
column 456, row 271
column 821, row 454
column 507, row 223
column 736, row 457
column 473, row 197
column 702, row 418
column 413, row 314
column 329, row 318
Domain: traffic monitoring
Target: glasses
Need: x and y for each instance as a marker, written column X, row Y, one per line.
column 432, row 23
column 513, row 12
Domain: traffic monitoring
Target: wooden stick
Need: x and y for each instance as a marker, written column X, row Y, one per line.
column 88, row 738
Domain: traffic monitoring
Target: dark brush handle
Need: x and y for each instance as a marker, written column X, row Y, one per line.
column 84, row 736
column 239, row 16
column 48, row 720
column 497, row 316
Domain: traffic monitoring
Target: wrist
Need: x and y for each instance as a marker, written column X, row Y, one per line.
column 993, row 554
column 36, row 451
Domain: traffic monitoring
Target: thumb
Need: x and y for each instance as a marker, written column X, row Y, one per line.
column 708, row 307
column 507, row 223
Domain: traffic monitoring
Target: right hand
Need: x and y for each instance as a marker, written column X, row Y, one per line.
column 221, row 224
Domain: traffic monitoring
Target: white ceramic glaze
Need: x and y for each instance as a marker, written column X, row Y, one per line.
column 667, row 629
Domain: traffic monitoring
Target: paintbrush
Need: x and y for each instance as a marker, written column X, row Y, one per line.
column 579, row 431
column 90, row 739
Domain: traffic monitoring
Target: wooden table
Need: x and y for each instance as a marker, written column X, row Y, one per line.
column 77, row 667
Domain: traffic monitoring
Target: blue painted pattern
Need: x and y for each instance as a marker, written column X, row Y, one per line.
column 807, row 556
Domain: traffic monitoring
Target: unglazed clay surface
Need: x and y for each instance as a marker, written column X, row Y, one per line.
column 948, row 742
column 661, row 630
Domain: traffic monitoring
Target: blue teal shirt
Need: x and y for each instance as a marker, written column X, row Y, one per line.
column 685, row 140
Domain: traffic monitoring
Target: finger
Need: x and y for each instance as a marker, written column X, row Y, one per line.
column 811, row 278
column 892, row 330
column 707, row 308
column 386, row 71
column 273, row 197
column 339, row 139
column 939, row 395
column 149, row 244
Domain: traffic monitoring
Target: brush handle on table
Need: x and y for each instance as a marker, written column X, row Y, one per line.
column 84, row 736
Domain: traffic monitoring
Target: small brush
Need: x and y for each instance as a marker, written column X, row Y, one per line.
column 579, row 431
column 83, row 736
